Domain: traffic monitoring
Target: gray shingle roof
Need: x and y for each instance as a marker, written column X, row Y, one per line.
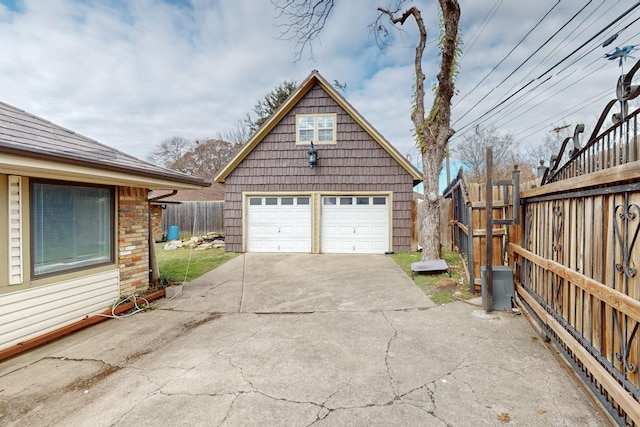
column 24, row 134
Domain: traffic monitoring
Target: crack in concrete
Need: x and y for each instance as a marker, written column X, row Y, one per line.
column 386, row 357
column 320, row 416
column 239, row 368
column 229, row 409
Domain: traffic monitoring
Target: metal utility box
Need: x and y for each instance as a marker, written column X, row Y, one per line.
column 502, row 289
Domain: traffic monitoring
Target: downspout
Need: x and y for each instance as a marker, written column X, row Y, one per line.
column 154, row 274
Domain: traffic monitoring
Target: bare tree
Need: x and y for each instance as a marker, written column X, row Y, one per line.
column 208, row 157
column 305, row 20
column 238, row 134
column 169, row 153
column 202, row 159
column 471, row 152
column 549, row 147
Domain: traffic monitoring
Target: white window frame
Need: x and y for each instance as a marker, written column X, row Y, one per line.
column 103, row 227
column 317, row 120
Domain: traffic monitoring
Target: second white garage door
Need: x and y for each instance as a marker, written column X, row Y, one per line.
column 278, row 224
column 358, row 224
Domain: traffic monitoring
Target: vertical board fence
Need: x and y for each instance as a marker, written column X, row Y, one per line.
column 466, row 224
column 575, row 256
column 195, row 217
column 576, row 264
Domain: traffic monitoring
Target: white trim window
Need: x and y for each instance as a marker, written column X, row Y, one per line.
column 319, row 128
column 72, row 227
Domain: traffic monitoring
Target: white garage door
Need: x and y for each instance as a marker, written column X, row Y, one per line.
column 278, row 224
column 358, row 224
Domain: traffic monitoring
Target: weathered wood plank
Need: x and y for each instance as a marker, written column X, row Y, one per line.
column 604, row 293
column 482, row 232
column 621, row 396
column 611, row 176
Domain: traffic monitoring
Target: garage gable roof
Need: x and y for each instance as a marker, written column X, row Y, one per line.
column 316, row 79
column 45, row 144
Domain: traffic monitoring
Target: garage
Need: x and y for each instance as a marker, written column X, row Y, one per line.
column 354, row 224
column 359, row 187
column 279, row 224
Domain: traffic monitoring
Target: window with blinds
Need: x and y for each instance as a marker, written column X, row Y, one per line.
column 72, row 227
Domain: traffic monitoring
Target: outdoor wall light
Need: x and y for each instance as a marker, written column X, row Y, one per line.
column 313, row 155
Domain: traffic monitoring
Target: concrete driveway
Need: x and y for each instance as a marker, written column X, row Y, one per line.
column 297, row 340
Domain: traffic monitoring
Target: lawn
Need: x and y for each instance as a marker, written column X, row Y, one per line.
column 440, row 288
column 184, row 265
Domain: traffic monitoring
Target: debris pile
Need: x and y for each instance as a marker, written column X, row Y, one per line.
column 198, row 243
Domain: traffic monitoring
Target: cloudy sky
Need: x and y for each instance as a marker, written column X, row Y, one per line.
column 131, row 73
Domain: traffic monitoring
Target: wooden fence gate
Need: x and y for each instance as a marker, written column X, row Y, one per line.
column 466, row 223
column 576, row 253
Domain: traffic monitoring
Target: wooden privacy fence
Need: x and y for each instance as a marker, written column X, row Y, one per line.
column 576, row 259
column 465, row 224
column 575, row 253
column 195, row 217
column 576, row 264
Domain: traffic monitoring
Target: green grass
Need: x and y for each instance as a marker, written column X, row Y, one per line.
column 173, row 264
column 428, row 281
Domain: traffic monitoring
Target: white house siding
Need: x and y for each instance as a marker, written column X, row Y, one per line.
column 33, row 312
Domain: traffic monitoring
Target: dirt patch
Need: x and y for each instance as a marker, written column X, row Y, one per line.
column 447, row 284
column 138, row 354
column 86, row 383
column 194, row 324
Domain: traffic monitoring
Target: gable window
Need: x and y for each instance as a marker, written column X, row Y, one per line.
column 72, row 227
column 319, row 128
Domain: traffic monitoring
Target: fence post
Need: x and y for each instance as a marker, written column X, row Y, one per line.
column 487, row 291
column 472, row 278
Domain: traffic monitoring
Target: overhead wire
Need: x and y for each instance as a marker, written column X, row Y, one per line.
column 480, row 29
column 553, row 50
column 495, row 67
column 532, row 54
column 597, row 45
column 568, row 39
column 586, row 75
column 570, row 111
column 526, row 107
column 557, row 64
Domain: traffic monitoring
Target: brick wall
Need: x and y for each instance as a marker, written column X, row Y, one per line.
column 133, row 239
column 156, row 222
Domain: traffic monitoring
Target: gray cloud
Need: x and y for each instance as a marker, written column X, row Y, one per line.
column 131, row 74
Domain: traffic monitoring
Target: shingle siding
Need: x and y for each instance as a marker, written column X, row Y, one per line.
column 356, row 163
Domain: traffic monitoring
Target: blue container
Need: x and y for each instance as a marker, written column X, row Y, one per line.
column 172, row 232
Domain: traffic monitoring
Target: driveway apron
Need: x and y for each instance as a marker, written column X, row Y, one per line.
column 297, row 340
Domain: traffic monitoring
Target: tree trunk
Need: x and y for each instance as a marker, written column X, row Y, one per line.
column 430, row 236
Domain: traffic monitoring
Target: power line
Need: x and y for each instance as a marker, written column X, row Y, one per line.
column 557, row 64
column 529, row 100
column 597, row 45
column 566, row 41
column 553, row 95
column 505, row 58
column 530, row 56
column 488, row 17
column 574, row 109
column 545, row 43
column 524, row 105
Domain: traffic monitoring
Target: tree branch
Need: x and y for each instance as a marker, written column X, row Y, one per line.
column 418, row 113
column 304, row 21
